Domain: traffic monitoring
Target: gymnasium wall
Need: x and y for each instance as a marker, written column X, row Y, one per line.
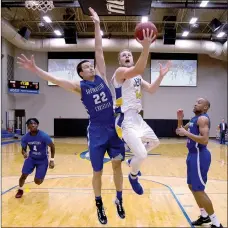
column 53, row 102
column 7, row 101
column 211, row 83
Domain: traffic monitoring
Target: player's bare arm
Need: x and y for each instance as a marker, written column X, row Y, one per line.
column 24, row 152
column 123, row 73
column 180, row 117
column 152, row 88
column 203, row 138
column 29, row 64
column 99, row 54
column 186, row 126
column 51, row 162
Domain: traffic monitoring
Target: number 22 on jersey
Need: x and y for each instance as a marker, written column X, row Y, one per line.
column 98, row 98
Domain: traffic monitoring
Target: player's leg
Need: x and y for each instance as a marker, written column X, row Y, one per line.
column 27, row 169
column 149, row 138
column 204, row 218
column 97, row 148
column 127, row 129
column 116, row 151
column 200, row 163
column 41, row 170
column 136, row 146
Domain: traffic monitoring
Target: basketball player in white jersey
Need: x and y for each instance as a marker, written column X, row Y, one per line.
column 130, row 126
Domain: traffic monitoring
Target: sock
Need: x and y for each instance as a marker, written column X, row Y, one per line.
column 97, row 198
column 20, row 188
column 214, row 220
column 119, row 195
column 133, row 176
column 203, row 212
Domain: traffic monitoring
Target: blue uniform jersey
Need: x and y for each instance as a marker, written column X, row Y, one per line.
column 101, row 135
column 97, row 99
column 198, row 159
column 38, row 144
column 194, row 129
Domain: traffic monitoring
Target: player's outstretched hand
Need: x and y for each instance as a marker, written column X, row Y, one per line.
column 94, row 16
column 148, row 38
column 25, row 63
column 164, row 69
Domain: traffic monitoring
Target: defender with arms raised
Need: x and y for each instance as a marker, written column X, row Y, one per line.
column 97, row 99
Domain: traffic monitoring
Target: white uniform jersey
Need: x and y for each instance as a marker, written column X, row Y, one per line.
column 128, row 95
column 129, row 124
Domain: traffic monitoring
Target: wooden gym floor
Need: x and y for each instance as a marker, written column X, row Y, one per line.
column 65, row 199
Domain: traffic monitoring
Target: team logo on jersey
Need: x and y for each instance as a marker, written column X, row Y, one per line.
column 128, row 154
column 137, row 82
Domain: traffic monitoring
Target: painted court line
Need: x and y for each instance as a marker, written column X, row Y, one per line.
column 170, row 189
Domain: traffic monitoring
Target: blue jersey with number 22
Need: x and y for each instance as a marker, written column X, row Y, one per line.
column 97, row 99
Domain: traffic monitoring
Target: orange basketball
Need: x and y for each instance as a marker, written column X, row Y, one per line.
column 144, row 25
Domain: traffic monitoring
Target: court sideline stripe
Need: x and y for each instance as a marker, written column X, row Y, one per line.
column 178, row 202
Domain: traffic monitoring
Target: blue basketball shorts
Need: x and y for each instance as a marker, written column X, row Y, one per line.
column 102, row 139
column 198, row 164
column 41, row 167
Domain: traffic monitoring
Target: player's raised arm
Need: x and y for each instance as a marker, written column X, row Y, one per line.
column 29, row 64
column 203, row 138
column 180, row 117
column 152, row 88
column 126, row 73
column 99, row 54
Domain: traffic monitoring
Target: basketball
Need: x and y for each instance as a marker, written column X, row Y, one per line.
column 145, row 25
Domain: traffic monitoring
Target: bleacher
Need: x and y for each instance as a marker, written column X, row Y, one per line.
column 6, row 134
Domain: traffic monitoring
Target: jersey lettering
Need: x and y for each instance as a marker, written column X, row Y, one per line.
column 98, row 98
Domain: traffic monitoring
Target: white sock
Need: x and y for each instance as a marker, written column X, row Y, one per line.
column 203, row 212
column 133, row 176
column 214, row 220
column 20, row 188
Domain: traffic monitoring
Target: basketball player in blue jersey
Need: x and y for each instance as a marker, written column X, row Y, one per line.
column 199, row 159
column 130, row 126
column 37, row 158
column 97, row 99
